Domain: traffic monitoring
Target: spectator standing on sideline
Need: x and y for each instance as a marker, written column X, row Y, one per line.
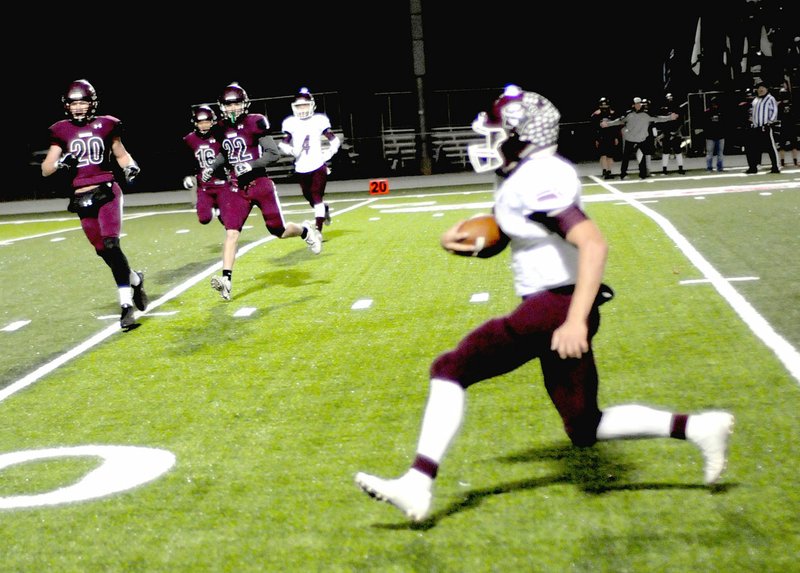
column 670, row 132
column 303, row 133
column 764, row 114
column 714, row 132
column 649, row 145
column 82, row 145
column 788, row 127
column 637, row 123
column 215, row 195
column 246, row 150
column 558, row 259
column 606, row 139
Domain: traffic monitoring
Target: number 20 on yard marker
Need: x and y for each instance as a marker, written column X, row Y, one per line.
column 379, row 187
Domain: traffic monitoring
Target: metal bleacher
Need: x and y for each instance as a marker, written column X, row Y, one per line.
column 447, row 143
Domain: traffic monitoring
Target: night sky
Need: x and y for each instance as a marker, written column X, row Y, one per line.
column 149, row 68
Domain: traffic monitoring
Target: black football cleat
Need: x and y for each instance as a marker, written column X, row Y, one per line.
column 139, row 296
column 127, row 320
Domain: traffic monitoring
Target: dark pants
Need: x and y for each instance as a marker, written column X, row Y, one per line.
column 760, row 139
column 629, row 149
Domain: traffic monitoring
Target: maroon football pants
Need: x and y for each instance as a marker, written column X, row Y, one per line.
column 504, row 344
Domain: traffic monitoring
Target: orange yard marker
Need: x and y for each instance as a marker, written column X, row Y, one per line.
column 379, row 187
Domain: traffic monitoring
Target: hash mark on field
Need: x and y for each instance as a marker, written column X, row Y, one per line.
column 16, row 325
column 731, row 279
column 362, row 304
column 479, row 297
column 181, row 231
column 57, row 239
column 244, row 311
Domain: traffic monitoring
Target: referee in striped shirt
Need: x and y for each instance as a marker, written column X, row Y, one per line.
column 763, row 114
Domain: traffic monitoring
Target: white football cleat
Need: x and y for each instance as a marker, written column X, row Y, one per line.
column 313, row 237
column 413, row 500
column 710, row 431
column 222, row 285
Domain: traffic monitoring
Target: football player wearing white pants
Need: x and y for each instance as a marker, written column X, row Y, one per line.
column 304, row 131
column 558, row 257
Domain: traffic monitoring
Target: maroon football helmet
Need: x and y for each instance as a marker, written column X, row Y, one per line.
column 80, row 90
column 203, row 113
column 234, row 102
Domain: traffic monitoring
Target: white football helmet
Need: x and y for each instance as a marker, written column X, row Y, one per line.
column 303, row 106
column 518, row 124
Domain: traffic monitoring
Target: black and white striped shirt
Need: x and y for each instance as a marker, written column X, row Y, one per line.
column 764, row 110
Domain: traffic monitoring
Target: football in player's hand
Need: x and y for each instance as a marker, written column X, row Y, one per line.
column 484, row 235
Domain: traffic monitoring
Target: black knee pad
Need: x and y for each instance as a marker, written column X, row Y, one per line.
column 111, row 243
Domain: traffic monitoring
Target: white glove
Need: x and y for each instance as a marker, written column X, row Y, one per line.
column 205, row 175
column 188, row 182
column 242, row 168
column 287, row 149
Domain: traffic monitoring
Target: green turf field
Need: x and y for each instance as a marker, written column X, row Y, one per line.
column 252, row 416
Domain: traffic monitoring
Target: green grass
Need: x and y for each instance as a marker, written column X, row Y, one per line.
column 270, row 416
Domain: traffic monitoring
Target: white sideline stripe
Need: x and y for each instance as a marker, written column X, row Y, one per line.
column 785, row 352
column 15, row 325
column 400, row 205
column 729, row 279
column 45, row 369
column 422, row 209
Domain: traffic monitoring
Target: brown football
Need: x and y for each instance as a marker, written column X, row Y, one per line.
column 484, row 235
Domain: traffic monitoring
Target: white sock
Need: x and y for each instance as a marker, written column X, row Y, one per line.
column 634, row 421
column 441, row 421
column 664, row 160
column 679, row 157
column 319, row 210
column 125, row 296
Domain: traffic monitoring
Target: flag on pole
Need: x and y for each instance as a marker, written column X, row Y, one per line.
column 666, row 73
column 727, row 58
column 697, row 51
column 766, row 45
column 744, row 56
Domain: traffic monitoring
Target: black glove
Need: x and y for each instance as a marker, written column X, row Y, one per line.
column 67, row 161
column 131, row 171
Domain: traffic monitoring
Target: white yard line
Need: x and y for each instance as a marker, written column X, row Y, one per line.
column 785, row 352
column 45, row 369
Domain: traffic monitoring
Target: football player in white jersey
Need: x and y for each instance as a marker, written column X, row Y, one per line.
column 303, row 134
column 558, row 257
